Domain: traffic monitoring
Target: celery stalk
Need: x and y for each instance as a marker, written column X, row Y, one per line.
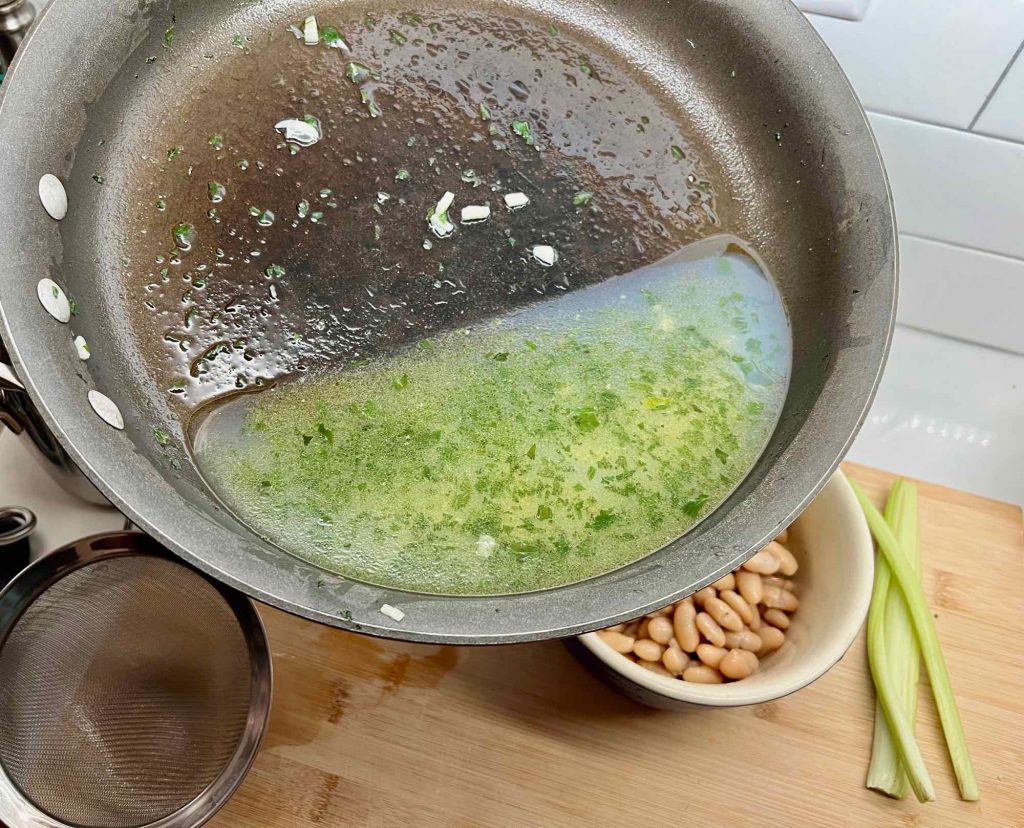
column 928, row 639
column 890, row 699
column 903, row 656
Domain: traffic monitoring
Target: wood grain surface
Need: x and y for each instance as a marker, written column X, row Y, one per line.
column 372, row 733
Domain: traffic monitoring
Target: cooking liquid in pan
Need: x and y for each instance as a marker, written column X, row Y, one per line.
column 528, row 451
column 456, row 408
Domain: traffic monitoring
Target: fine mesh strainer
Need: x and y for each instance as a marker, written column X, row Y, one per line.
column 133, row 690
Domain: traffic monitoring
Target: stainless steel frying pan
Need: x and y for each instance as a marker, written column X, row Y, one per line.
column 785, row 148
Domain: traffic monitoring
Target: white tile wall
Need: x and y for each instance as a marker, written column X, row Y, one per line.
column 954, row 186
column 961, row 293
column 944, row 85
column 1004, row 115
column 844, row 9
column 932, row 60
column 949, row 412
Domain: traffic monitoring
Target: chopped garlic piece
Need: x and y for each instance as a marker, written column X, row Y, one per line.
column 394, row 613
column 298, row 132
column 545, row 254
column 475, row 212
column 310, row 31
column 485, row 546
column 516, row 200
column 82, row 347
column 438, row 218
column 382, row 197
column 295, row 30
column 445, row 203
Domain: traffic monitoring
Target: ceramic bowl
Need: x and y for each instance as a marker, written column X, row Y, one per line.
column 832, row 543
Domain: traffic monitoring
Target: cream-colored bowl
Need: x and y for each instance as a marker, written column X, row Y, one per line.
column 833, row 545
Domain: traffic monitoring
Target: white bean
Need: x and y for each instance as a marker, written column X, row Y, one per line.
column 702, row 674
column 709, row 629
column 726, row 617
column 617, row 641
column 648, row 650
column 749, row 586
column 710, row 654
column 660, row 630
column 787, row 563
column 777, row 618
column 763, row 563
column 684, row 625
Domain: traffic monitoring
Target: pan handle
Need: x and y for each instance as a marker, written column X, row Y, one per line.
column 15, row 18
column 19, row 414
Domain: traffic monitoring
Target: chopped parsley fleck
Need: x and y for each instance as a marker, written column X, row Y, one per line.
column 552, row 29
column 586, row 419
column 603, row 519
column 183, row 234
column 397, row 37
column 275, row 271
column 356, row 72
column 677, row 152
column 402, row 175
column 657, row 403
column 173, row 152
column 216, row 141
column 582, row 197
column 332, row 38
column 522, row 128
column 485, row 112
column 162, row 437
column 692, row 507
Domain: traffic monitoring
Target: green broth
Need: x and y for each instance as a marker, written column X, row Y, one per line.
column 528, row 451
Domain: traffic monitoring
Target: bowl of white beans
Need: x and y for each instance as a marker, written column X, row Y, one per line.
column 758, row 633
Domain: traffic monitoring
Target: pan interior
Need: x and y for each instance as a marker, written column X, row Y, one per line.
column 280, row 227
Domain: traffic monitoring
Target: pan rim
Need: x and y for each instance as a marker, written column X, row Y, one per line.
column 440, row 619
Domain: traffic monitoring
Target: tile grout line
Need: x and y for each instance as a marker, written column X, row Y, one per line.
column 970, row 247
column 895, row 116
column 994, row 89
column 959, row 339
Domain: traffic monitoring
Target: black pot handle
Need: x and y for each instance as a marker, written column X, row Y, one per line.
column 19, row 414
column 16, row 526
column 15, row 18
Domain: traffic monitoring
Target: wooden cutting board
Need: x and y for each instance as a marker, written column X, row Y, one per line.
column 373, row 733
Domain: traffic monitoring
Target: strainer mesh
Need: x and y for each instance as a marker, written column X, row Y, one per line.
column 124, row 691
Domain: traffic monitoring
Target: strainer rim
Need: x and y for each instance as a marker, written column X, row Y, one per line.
column 16, row 807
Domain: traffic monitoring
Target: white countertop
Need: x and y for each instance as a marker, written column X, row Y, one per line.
column 949, row 412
